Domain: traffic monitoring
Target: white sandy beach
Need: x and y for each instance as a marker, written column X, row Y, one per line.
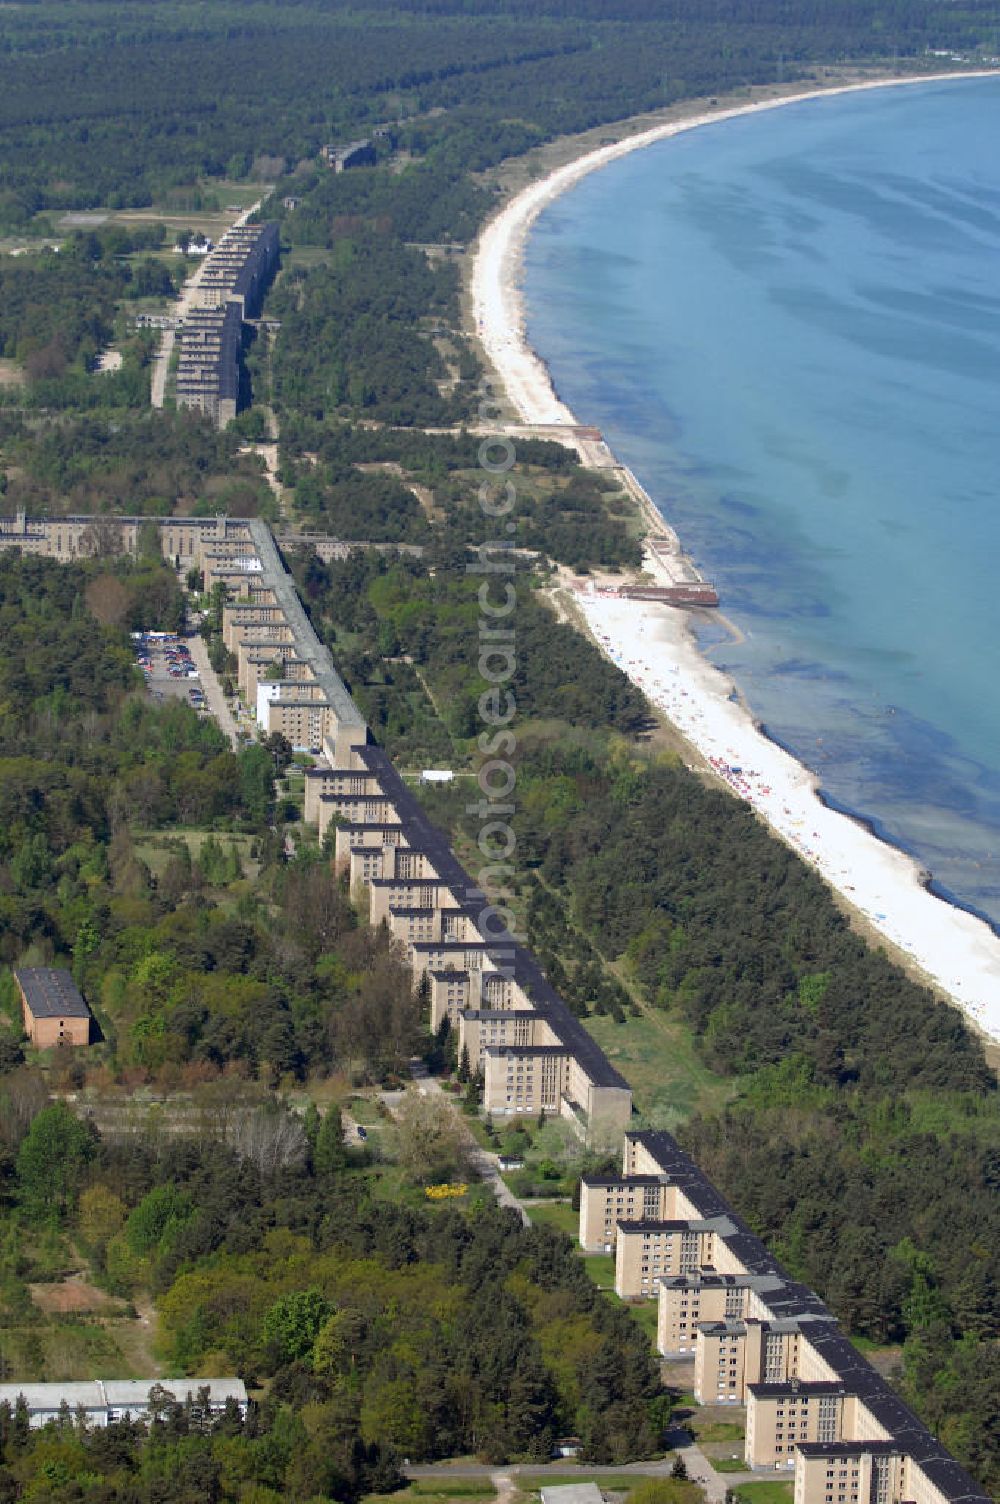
column 653, row 645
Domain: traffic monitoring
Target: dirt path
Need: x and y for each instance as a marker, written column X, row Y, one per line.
column 486, row 1165
column 700, row 1471
column 269, row 454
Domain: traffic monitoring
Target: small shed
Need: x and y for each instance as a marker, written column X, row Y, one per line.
column 52, row 1009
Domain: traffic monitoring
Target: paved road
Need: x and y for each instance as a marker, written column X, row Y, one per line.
column 161, row 360
column 269, row 454
column 214, row 697
column 714, row 1485
column 487, row 1167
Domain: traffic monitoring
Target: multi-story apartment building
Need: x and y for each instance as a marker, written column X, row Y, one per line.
column 208, row 366
column 393, row 893
column 815, row 1407
column 186, row 542
column 483, row 1031
column 240, row 268
column 646, row 1251
column 230, row 290
column 445, row 923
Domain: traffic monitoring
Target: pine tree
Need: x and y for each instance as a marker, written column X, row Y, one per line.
column 311, row 1124
column 329, row 1155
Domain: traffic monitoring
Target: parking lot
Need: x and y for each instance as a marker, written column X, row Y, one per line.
column 168, row 669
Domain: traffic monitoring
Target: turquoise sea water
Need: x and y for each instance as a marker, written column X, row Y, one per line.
column 789, row 325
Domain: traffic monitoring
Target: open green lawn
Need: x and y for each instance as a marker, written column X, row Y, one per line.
column 656, row 1055
column 74, row 1348
column 306, row 256
column 646, row 1315
column 559, row 1214
column 728, row 1464
column 438, row 1491
column 765, row 1493
column 425, row 1488
column 154, row 849
column 601, row 1268
column 716, row 1430
column 364, row 1110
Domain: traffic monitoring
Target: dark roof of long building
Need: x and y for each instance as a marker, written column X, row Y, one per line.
column 790, row 1300
column 720, row 1225
column 908, row 1433
column 508, row 955
column 796, row 1388
column 850, row 1448
column 797, row 1302
column 308, row 645
column 50, row 993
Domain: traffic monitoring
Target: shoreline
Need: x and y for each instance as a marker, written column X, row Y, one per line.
column 955, row 951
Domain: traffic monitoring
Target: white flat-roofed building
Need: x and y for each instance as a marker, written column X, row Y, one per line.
column 573, row 1493
column 103, row 1401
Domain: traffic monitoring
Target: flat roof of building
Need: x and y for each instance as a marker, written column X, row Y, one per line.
column 711, row 1279
column 851, row 1449
column 797, row 1389
column 520, row 1051
column 615, row 1180
column 307, row 643
column 119, row 1394
column 85, row 1393
column 50, row 993
column 722, row 1225
column 572, row 1493
column 490, row 1013
column 123, row 1393
column 450, row 945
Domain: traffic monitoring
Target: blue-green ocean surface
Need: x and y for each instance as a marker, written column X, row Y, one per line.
column 789, row 325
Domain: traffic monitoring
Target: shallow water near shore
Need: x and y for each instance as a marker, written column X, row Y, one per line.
column 789, row 325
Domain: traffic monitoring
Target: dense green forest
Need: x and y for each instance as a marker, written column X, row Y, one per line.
column 361, row 482
column 385, row 611
column 137, row 463
column 380, row 1330
column 91, row 113
column 191, row 962
column 348, row 336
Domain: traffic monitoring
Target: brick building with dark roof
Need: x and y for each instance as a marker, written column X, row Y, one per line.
column 53, row 1011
